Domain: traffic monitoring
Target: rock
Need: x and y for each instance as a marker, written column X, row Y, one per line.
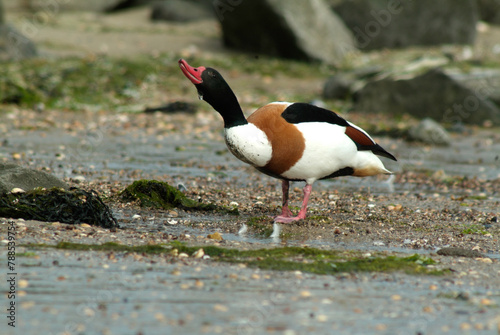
column 489, row 10
column 380, row 24
column 14, row 45
column 14, row 176
column 2, row 15
column 429, row 131
column 88, row 5
column 294, row 29
column 126, row 4
column 432, row 94
column 54, row 6
column 75, row 206
column 179, row 11
column 338, row 86
column 485, row 81
column 459, row 252
column 157, row 194
column 173, row 107
column 215, row 236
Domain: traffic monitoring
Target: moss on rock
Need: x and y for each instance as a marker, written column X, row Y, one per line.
column 158, row 194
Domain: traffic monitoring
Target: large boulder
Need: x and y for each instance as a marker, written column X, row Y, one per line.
column 14, row 45
column 180, row 11
column 54, row 7
column 433, row 94
column 295, row 29
column 15, row 176
column 489, row 10
column 484, row 80
column 2, row 15
column 400, row 23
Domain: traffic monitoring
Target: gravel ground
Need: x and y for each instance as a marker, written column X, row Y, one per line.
column 90, row 292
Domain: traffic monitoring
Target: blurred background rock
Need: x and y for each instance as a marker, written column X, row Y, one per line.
column 376, row 53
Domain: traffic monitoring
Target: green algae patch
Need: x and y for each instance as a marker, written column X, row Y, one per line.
column 72, row 206
column 304, row 259
column 260, row 225
column 158, row 194
column 312, row 260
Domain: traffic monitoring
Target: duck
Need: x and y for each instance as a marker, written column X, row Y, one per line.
column 290, row 141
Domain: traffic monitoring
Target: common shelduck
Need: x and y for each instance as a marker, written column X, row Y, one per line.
column 289, row 141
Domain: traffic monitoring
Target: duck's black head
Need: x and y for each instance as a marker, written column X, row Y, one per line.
column 214, row 89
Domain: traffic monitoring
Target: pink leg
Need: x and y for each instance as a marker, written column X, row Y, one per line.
column 285, row 186
column 302, row 213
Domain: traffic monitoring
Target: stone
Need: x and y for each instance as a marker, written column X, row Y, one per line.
column 378, row 24
column 15, row 176
column 433, row 94
column 489, row 11
column 2, row 15
column 485, row 81
column 88, row 5
column 179, row 11
column 338, row 86
column 430, row 132
column 293, row 29
column 14, row 45
column 459, row 252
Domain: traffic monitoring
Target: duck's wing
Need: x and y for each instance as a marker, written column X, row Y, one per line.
column 302, row 112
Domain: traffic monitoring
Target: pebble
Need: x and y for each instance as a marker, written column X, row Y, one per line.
column 78, row 179
column 27, row 304
column 22, row 283
column 215, row 236
column 396, row 297
column 199, row 253
column 487, row 302
column 220, row 308
column 305, row 294
column 378, row 243
column 485, row 260
column 465, row 326
column 397, row 208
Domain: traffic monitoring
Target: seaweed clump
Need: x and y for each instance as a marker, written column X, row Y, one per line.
column 158, row 194
column 74, row 206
